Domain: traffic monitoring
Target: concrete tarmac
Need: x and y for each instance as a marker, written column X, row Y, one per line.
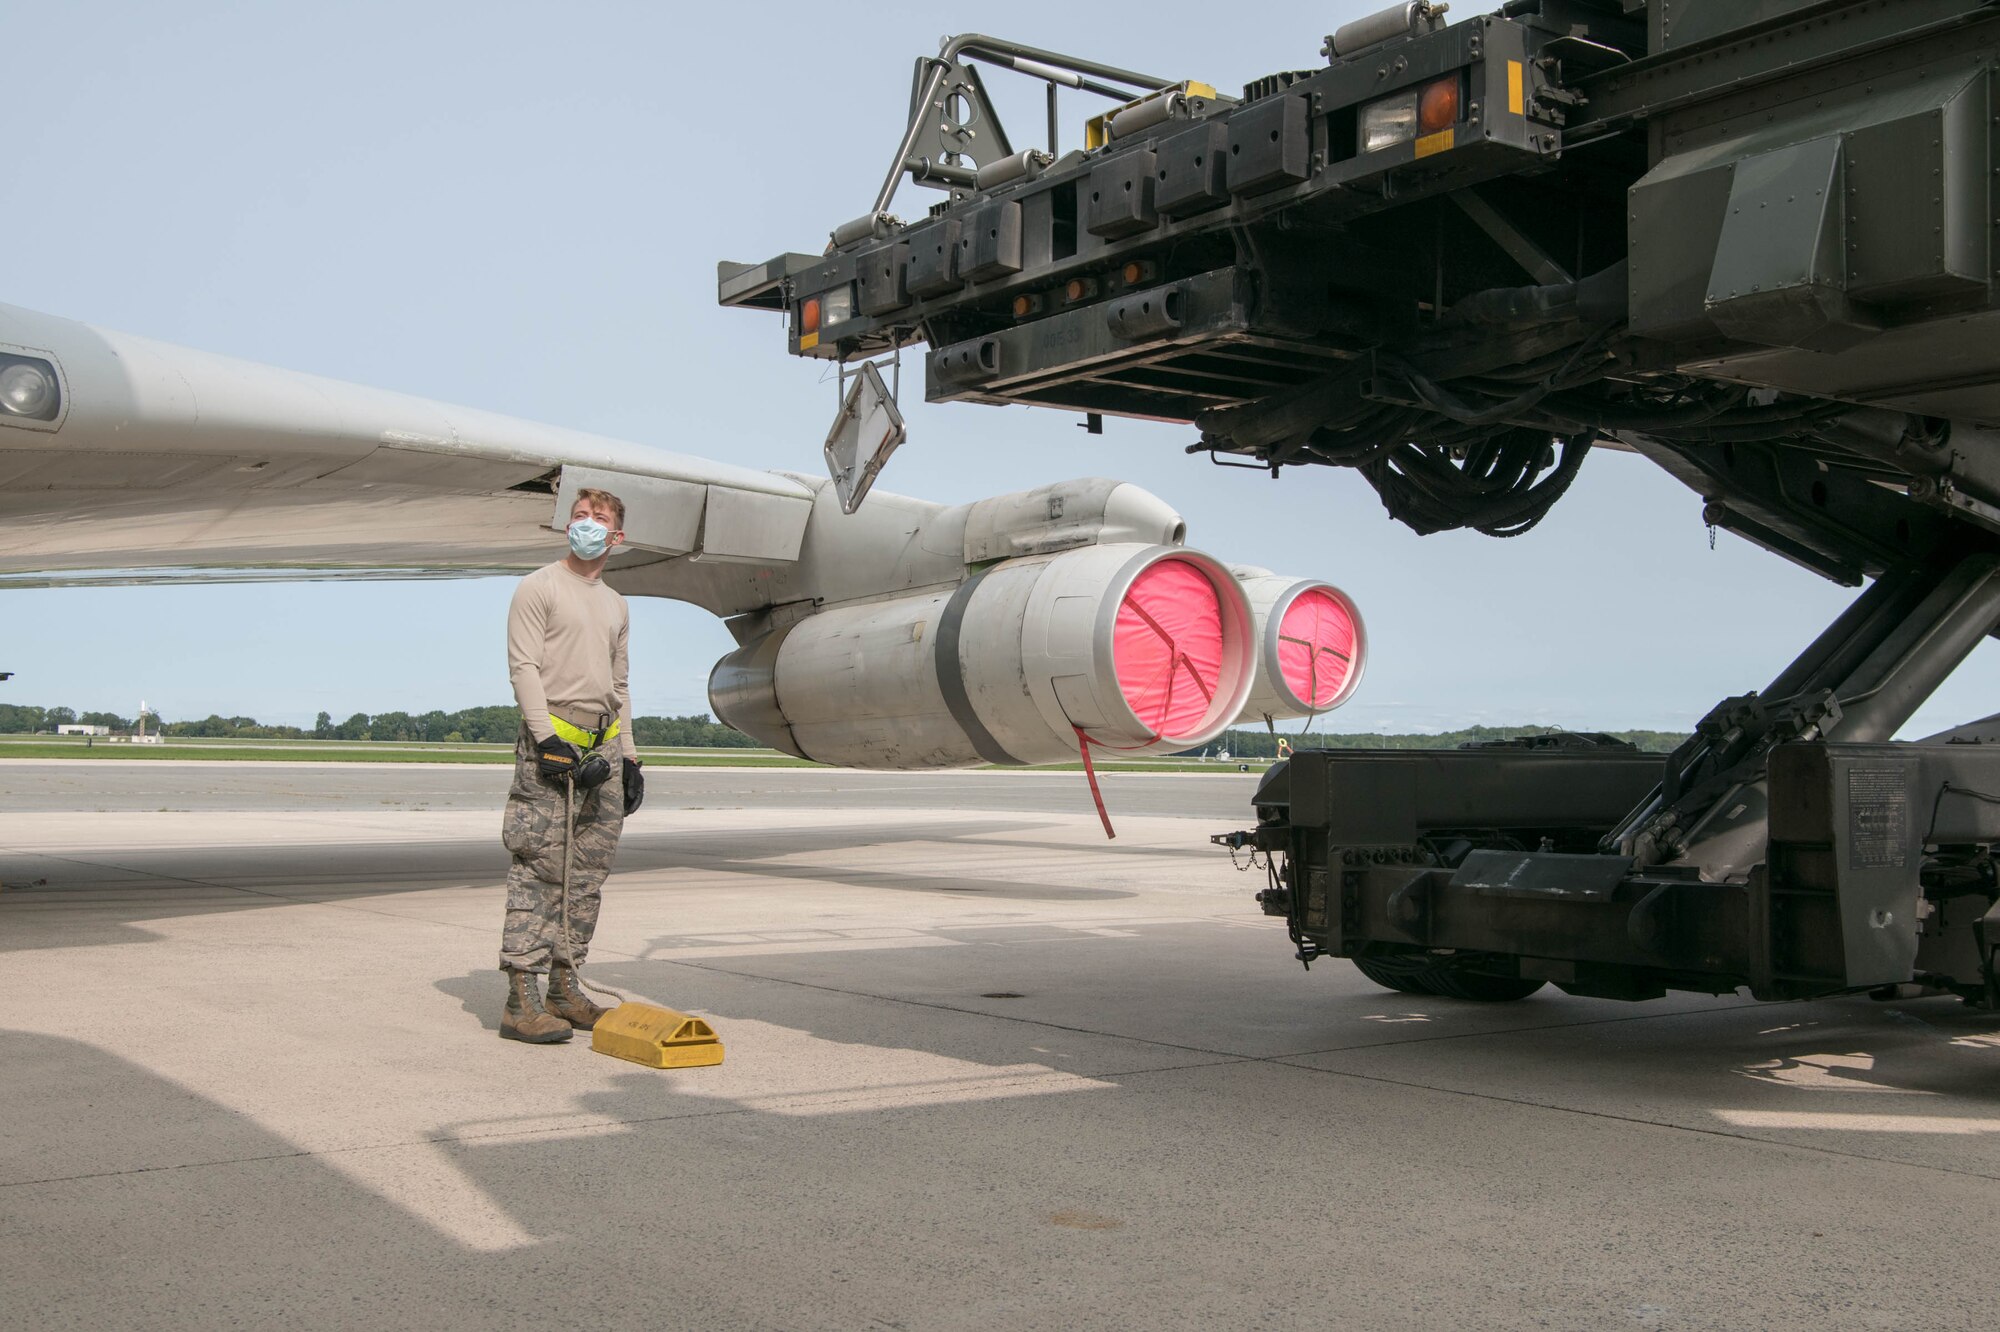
column 985, row 1070
column 119, row 785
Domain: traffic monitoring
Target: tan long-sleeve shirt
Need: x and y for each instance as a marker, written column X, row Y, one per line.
column 566, row 641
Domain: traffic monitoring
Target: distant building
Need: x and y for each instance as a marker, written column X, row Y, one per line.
column 74, row 729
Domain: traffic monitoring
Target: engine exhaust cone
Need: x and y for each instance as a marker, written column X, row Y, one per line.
column 656, row 1037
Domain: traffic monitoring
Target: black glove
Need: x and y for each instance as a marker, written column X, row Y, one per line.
column 556, row 758
column 595, row 772
column 635, row 786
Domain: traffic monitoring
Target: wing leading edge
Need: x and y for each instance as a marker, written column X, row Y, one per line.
column 160, row 463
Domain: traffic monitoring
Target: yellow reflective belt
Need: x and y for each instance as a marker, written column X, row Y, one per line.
column 579, row 737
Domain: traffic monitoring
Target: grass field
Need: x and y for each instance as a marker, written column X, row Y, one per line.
column 367, row 751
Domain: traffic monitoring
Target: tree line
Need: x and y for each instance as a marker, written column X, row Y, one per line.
column 14, row 718
column 488, row 725
column 497, row 725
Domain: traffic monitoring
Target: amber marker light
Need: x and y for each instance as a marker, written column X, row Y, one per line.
column 1437, row 106
column 809, row 316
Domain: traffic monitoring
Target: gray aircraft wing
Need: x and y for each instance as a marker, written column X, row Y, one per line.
column 126, row 460
column 909, row 634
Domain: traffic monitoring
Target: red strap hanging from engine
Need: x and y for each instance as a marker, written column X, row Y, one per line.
column 1090, row 774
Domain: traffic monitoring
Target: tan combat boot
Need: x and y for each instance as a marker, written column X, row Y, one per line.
column 525, row 1018
column 568, row 1001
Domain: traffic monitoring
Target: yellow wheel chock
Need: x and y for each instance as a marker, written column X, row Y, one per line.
column 656, row 1037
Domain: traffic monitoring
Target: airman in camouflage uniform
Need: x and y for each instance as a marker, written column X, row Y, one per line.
column 566, row 656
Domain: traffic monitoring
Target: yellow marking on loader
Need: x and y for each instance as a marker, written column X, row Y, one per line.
column 1436, row 143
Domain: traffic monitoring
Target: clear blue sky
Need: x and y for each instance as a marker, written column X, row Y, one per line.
column 520, row 207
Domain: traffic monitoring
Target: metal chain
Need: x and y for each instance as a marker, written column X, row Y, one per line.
column 1255, row 863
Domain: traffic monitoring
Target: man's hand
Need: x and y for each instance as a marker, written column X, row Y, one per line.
column 556, row 758
column 635, row 786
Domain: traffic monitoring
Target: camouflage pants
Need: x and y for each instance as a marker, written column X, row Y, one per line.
column 533, row 830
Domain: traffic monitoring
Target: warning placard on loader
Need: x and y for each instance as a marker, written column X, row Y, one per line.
column 1878, row 818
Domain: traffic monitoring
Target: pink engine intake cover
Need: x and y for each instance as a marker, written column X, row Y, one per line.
column 1167, row 647
column 1316, row 647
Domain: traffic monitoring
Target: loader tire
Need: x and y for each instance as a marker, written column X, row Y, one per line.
column 1402, row 977
column 1455, row 981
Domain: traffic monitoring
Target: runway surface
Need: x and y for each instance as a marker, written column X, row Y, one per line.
column 985, row 1070
column 158, row 785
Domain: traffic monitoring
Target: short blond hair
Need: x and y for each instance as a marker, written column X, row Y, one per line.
column 607, row 499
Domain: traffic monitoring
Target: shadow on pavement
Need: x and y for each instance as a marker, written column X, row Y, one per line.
column 482, row 994
column 123, row 888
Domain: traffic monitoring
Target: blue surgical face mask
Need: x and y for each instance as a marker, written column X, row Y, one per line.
column 588, row 538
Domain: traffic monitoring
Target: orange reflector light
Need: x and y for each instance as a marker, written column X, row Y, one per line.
column 809, row 316
column 1023, row 306
column 1076, row 290
column 1437, row 106
column 1134, row 271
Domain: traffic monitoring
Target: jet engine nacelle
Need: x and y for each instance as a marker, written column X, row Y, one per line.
column 1141, row 649
column 1311, row 644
